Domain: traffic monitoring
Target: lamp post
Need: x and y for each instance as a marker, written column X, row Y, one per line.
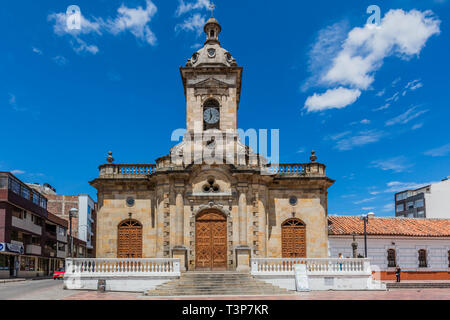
column 72, row 214
column 365, row 218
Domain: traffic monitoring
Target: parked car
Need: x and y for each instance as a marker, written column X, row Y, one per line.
column 58, row 274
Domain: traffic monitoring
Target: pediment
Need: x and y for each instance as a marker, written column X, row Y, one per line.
column 211, row 83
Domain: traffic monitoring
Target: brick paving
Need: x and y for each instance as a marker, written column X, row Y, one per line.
column 396, row 294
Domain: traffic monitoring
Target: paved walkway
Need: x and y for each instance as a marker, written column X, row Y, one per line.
column 395, row 294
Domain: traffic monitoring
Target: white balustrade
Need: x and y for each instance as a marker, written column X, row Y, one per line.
column 122, row 267
column 314, row 266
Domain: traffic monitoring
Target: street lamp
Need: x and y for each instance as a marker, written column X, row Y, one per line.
column 365, row 218
column 73, row 213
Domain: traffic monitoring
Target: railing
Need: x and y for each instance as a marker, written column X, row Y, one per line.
column 122, row 267
column 142, row 170
column 302, row 169
column 26, row 225
column 126, row 170
column 285, row 266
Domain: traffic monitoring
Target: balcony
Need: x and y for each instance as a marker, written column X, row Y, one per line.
column 33, row 249
column 60, row 254
column 61, row 238
column 27, row 225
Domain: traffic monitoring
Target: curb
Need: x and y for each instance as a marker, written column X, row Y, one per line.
column 12, row 280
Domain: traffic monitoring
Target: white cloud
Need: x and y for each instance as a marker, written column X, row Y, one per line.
column 134, row 20
column 60, row 60
column 329, row 41
column 406, row 117
column 16, row 172
column 397, row 186
column 345, row 142
column 385, row 106
column 196, row 20
column 332, row 98
column 417, row 126
column 414, row 85
column 388, row 207
column 365, row 121
column 365, row 48
column 439, row 152
column 192, row 23
column 36, row 50
column 364, row 200
column 396, row 164
column 380, row 93
column 184, row 7
column 367, row 208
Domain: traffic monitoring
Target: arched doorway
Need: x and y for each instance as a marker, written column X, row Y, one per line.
column 211, row 241
column 293, row 239
column 129, row 240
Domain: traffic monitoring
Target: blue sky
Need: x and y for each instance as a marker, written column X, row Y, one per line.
column 373, row 104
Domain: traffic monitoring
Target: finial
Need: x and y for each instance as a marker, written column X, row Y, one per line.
column 313, row 157
column 212, row 6
column 110, row 158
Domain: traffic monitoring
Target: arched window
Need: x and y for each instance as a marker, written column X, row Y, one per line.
column 422, row 258
column 293, row 239
column 212, row 33
column 391, row 258
column 129, row 240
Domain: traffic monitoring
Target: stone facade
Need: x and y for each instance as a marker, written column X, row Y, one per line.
column 256, row 198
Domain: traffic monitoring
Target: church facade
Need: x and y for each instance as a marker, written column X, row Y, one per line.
column 212, row 201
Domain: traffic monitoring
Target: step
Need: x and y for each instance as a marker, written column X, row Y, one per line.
column 417, row 285
column 200, row 284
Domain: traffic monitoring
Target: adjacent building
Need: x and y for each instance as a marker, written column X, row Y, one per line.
column 83, row 226
column 420, row 247
column 431, row 201
column 33, row 242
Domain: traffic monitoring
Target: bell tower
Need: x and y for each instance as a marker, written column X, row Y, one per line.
column 212, row 85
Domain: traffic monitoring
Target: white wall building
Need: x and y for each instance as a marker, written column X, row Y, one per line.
column 85, row 219
column 432, row 201
column 420, row 247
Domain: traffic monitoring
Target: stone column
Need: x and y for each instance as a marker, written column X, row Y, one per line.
column 179, row 250
column 242, row 217
column 243, row 251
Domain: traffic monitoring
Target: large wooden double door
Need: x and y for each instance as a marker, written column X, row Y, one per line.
column 129, row 242
column 293, row 239
column 211, row 241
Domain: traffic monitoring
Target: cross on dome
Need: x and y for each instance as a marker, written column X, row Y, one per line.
column 212, row 6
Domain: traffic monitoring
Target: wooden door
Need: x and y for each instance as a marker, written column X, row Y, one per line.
column 129, row 242
column 293, row 239
column 211, row 241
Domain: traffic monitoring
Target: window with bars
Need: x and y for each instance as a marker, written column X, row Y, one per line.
column 422, row 258
column 391, row 258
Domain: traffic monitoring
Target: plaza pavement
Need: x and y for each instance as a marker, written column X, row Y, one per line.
column 53, row 290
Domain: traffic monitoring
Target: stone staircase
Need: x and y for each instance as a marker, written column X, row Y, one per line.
column 418, row 285
column 216, row 284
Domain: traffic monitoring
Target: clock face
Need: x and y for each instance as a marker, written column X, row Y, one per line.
column 211, row 116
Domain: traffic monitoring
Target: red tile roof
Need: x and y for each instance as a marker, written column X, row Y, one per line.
column 347, row 225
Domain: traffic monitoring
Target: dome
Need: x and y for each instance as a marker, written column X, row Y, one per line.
column 212, row 54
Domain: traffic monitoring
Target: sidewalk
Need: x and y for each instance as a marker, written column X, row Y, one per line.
column 24, row 279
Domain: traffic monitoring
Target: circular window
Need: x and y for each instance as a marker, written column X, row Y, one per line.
column 293, row 200
column 211, row 53
column 229, row 57
column 130, row 201
column 194, row 57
